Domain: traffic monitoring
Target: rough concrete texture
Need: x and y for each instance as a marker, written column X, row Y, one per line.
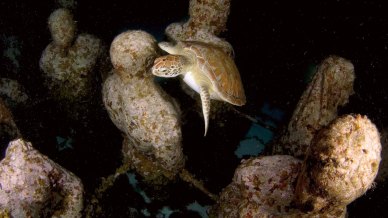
column 207, row 19
column 12, row 92
column 261, row 187
column 341, row 165
column 70, row 64
column 69, row 72
column 132, row 53
column 148, row 117
column 62, row 27
column 32, row 185
column 330, row 88
column 151, row 169
column 382, row 175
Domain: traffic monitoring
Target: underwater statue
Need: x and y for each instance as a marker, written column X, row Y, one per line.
column 320, row 164
column 32, row 185
column 70, row 64
column 12, row 92
column 207, row 20
column 341, row 165
column 148, row 117
column 330, row 88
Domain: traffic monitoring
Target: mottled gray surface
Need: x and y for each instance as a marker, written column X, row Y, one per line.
column 32, row 185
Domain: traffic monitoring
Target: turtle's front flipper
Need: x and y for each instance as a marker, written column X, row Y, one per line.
column 205, row 99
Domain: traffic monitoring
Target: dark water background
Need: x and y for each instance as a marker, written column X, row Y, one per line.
column 275, row 45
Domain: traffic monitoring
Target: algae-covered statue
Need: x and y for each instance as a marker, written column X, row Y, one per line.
column 206, row 68
column 319, row 166
column 32, row 185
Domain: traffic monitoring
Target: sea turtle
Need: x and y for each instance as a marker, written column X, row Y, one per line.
column 206, row 68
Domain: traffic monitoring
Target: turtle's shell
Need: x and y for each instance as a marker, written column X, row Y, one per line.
column 220, row 69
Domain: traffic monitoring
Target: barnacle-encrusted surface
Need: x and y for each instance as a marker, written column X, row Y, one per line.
column 330, row 88
column 69, row 72
column 69, row 64
column 62, row 27
column 261, row 187
column 341, row 165
column 148, row 118
column 207, row 20
column 152, row 170
column 382, row 175
column 145, row 114
column 32, row 185
column 132, row 53
column 12, row 92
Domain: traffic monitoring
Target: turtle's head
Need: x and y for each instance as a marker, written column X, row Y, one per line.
column 169, row 66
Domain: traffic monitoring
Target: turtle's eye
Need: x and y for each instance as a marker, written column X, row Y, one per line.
column 163, row 69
